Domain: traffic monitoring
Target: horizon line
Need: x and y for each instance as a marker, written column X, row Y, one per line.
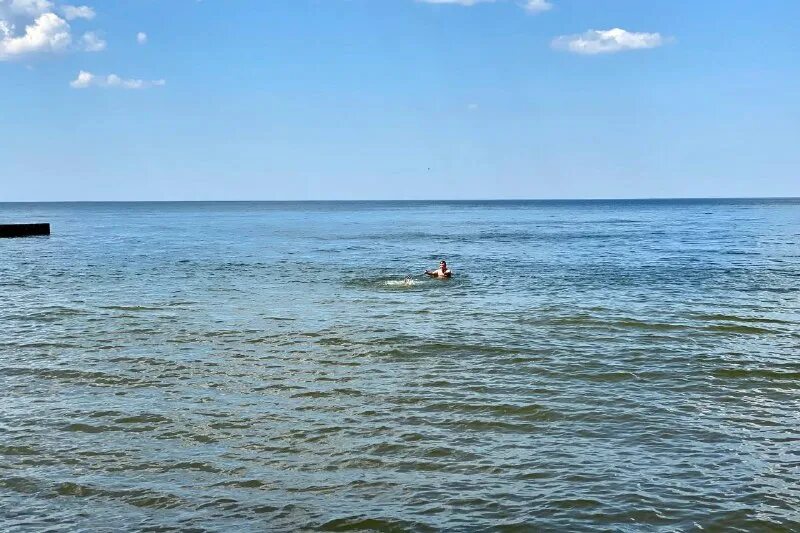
column 427, row 200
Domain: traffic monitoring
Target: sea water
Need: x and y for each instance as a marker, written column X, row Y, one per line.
column 603, row 365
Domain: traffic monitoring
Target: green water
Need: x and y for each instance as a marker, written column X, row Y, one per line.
column 592, row 366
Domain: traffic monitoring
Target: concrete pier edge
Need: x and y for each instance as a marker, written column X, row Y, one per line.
column 24, row 230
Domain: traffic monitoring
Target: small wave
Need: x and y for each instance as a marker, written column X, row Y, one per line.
column 131, row 308
column 18, row 450
column 576, row 503
column 593, row 321
column 20, row 484
column 85, row 428
column 358, row 523
column 141, row 419
column 47, row 345
column 138, row 498
column 734, row 318
column 740, row 329
column 198, row 466
column 243, row 484
column 527, row 412
column 49, row 314
column 328, row 393
column 756, row 373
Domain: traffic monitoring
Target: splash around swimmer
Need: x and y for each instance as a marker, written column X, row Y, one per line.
column 442, row 272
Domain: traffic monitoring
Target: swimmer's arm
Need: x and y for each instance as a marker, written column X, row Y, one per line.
column 433, row 274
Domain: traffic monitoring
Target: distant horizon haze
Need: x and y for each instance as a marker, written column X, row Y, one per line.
column 430, row 200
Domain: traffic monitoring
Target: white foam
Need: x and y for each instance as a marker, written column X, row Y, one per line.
column 408, row 282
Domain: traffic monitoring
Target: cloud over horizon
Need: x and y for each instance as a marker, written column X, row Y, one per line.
column 112, row 81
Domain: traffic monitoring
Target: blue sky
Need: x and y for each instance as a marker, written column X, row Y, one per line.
column 398, row 99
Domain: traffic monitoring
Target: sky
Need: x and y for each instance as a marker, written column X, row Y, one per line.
column 398, row 99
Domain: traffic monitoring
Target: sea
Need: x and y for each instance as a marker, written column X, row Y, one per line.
column 281, row 366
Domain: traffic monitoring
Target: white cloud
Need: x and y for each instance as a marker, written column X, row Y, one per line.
column 48, row 33
column 77, row 12
column 141, row 37
column 112, row 81
column 92, row 42
column 25, row 8
column 83, row 80
column 536, row 6
column 46, row 29
column 610, row 41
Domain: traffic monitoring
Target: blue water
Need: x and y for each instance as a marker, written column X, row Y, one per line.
column 592, row 366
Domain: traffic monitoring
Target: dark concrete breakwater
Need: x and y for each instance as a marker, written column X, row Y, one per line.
column 24, row 230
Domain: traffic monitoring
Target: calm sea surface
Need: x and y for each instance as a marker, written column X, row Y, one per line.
column 592, row 366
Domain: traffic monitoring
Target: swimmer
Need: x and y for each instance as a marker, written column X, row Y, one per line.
column 443, row 271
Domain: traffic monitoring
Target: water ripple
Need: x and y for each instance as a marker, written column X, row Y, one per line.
column 591, row 367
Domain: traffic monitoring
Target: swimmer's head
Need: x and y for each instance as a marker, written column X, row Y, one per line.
column 443, row 265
